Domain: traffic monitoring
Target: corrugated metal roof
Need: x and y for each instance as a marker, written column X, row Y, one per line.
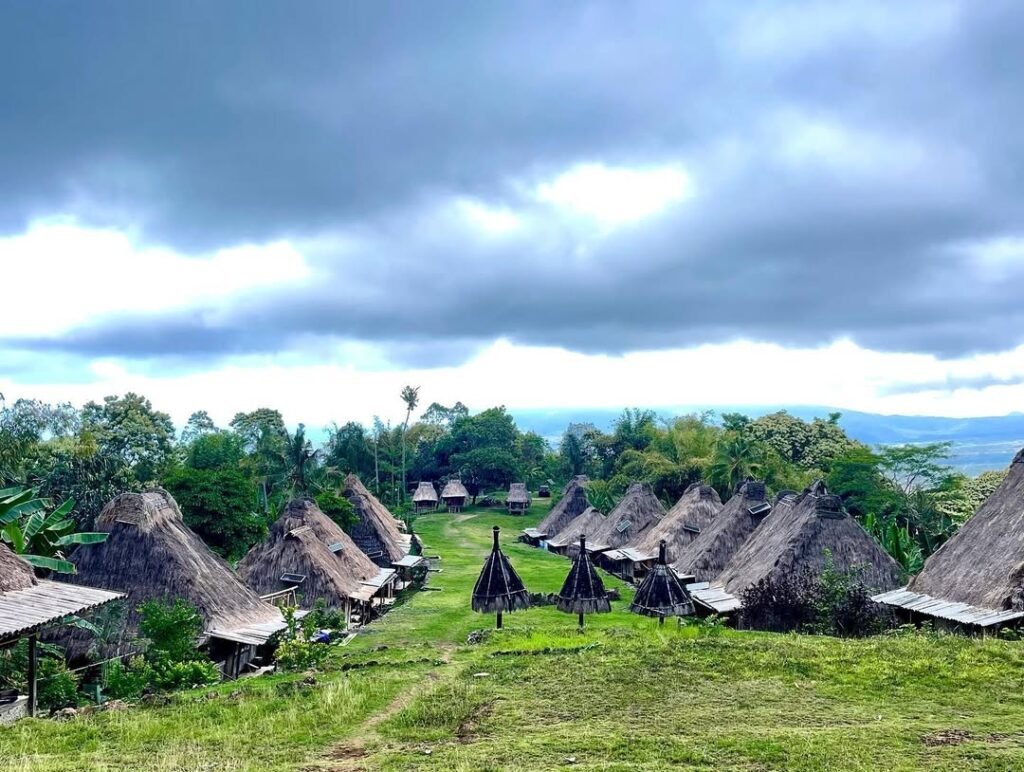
column 714, row 598
column 25, row 611
column 945, row 609
column 383, row 577
column 254, row 635
column 533, row 533
column 409, row 561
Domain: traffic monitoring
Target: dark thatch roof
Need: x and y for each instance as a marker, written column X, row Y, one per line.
column 518, row 494
column 707, row 555
column 637, row 512
column 693, row 513
column 983, row 564
column 499, row 588
column 305, row 542
column 661, row 594
column 583, row 591
column 796, row 536
column 454, row 489
column 589, row 520
column 15, row 573
column 152, row 555
column 425, row 492
column 378, row 532
column 573, row 503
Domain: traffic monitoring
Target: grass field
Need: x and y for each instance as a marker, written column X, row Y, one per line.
column 410, row 693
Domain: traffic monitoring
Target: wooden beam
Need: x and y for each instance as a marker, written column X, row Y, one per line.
column 32, row 686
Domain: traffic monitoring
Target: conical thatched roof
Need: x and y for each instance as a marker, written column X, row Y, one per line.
column 796, row 536
column 573, row 503
column 499, row 588
column 305, row 542
column 518, row 494
column 707, row 555
column 693, row 513
column 425, row 493
column 588, row 521
column 583, row 591
column 983, row 564
column 15, row 573
column 454, row 489
column 151, row 554
column 638, row 512
column 661, row 594
column 378, row 533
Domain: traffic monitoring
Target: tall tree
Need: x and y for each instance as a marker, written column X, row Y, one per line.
column 411, row 398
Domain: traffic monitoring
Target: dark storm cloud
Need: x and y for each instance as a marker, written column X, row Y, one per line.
column 850, row 163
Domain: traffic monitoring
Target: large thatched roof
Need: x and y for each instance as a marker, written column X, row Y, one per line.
column 305, row 543
column 499, row 588
column 661, row 594
column 151, row 554
column 588, row 521
column 378, row 532
column 425, row 493
column 693, row 512
column 573, row 503
column 796, row 536
column 637, row 512
column 983, row 564
column 707, row 555
column 15, row 573
column 583, row 591
column 454, row 489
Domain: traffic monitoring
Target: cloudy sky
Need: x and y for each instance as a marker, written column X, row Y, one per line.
column 226, row 205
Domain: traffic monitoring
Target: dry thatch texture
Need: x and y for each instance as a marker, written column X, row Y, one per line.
column 518, row 497
column 305, row 542
column 795, row 537
column 588, row 521
column 573, row 503
column 15, row 573
column 499, row 588
column 152, row 555
column 638, row 512
column 454, row 489
column 583, row 591
column 983, row 564
column 693, row 513
column 378, row 533
column 661, row 594
column 707, row 555
column 425, row 495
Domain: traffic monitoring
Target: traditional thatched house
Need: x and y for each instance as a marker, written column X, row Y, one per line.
column 637, row 512
column 976, row 579
column 661, row 594
column 498, row 588
column 28, row 605
column 518, row 499
column 573, row 503
column 378, row 533
column 454, row 495
column 588, row 521
column 583, row 591
column 797, row 536
column 705, row 557
column 150, row 554
column 425, row 497
column 307, row 557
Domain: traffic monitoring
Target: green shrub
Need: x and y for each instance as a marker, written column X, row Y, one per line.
column 127, row 680
column 169, row 676
column 296, row 651
column 58, row 686
column 171, row 630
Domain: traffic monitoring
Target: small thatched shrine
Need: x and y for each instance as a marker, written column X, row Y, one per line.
column 661, row 594
column 151, row 554
column 706, row 556
column 976, row 579
column 425, row 497
column 379, row 534
column 583, row 591
column 589, row 520
column 498, row 588
column 573, row 503
column 518, row 499
column 454, row 495
column 637, row 512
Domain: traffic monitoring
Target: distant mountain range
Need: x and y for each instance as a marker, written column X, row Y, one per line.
column 978, row 443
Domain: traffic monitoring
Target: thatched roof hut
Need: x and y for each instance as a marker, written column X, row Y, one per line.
column 637, row 512
column 378, row 533
column 454, row 495
column 796, row 537
column 977, row 577
column 588, row 521
column 425, row 496
column 583, row 591
column 706, row 556
column 308, row 551
column 498, row 588
column 682, row 524
column 573, row 503
column 518, row 498
column 151, row 554
column 661, row 594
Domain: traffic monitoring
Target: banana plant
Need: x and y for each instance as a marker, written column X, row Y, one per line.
column 40, row 537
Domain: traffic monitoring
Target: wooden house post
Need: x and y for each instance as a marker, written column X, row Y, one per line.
column 32, row 685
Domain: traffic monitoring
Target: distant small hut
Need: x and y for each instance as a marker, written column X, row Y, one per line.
column 976, row 579
column 378, row 533
column 454, row 495
column 589, row 520
column 572, row 504
column 518, row 499
column 425, row 497
column 637, row 512
column 544, row 492
column 661, row 594
column 498, row 588
column 706, row 556
column 583, row 591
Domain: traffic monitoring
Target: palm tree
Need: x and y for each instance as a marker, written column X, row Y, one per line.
column 737, row 458
column 298, row 454
column 411, row 398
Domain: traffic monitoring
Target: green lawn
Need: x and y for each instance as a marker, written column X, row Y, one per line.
column 410, row 693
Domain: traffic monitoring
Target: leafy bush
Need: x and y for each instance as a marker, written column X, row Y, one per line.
column 171, row 630
column 323, row 618
column 169, row 676
column 58, row 686
column 338, row 508
column 127, row 680
column 297, row 651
